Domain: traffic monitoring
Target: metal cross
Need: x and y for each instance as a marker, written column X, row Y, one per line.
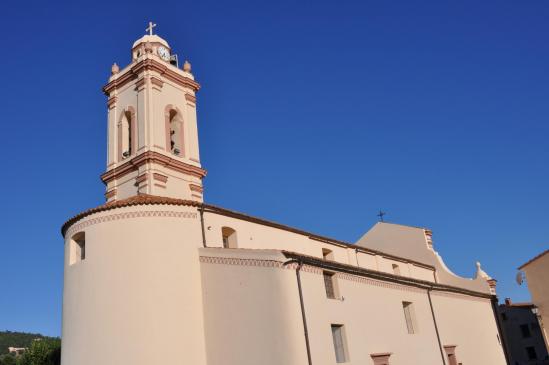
column 380, row 215
column 150, row 28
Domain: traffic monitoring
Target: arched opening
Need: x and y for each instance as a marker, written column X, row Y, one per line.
column 126, row 134
column 229, row 237
column 174, row 127
column 126, row 130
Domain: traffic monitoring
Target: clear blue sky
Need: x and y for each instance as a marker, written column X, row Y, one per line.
column 314, row 114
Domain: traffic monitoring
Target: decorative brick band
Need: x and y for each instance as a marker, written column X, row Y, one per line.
column 129, row 215
column 241, row 262
column 306, row 268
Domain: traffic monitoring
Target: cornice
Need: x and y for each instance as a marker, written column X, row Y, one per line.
column 150, row 64
column 152, row 157
column 355, row 270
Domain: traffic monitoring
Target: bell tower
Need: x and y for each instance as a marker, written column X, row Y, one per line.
column 152, row 125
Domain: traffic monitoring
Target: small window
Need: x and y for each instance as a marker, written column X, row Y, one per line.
column 525, row 330
column 77, row 249
column 396, row 269
column 338, row 336
column 531, row 352
column 409, row 316
column 327, row 254
column 228, row 236
column 330, row 284
column 504, row 316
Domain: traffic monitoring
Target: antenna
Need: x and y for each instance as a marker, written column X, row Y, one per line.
column 519, row 278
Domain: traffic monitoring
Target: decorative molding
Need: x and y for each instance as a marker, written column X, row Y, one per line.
column 152, row 157
column 111, row 102
column 110, row 194
column 453, row 295
column 197, row 188
column 139, row 83
column 150, row 64
column 160, row 186
column 308, row 269
column 190, row 98
column 129, row 215
column 244, row 262
column 381, row 359
column 160, row 177
column 141, row 178
column 157, row 82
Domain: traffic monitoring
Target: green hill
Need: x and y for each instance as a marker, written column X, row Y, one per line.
column 16, row 339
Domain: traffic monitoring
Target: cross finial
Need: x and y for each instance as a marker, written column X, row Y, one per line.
column 150, row 28
column 380, row 215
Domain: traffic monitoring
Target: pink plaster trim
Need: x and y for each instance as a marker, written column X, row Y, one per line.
column 151, row 65
column 111, row 102
column 160, row 186
column 129, row 215
column 197, row 188
column 110, row 194
column 157, row 82
column 190, row 98
column 381, row 359
column 160, row 177
column 140, row 178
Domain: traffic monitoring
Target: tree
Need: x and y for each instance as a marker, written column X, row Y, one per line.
column 7, row 360
column 42, row 352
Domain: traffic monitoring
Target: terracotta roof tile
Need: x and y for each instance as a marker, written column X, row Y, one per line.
column 142, row 199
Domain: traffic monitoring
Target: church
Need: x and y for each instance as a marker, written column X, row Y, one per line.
column 158, row 276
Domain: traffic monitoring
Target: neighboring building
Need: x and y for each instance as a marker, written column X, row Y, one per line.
column 537, row 277
column 523, row 334
column 16, row 350
column 156, row 276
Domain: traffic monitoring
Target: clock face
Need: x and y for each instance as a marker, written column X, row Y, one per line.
column 163, row 53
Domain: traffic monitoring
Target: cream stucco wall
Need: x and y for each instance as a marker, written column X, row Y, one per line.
column 136, row 298
column 469, row 324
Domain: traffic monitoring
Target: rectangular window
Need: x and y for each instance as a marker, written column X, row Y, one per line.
column 338, row 336
column 396, row 269
column 409, row 316
column 531, row 351
column 330, row 284
column 77, row 248
column 525, row 330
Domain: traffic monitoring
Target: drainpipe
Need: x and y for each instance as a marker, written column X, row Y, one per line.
column 436, row 327
column 201, row 209
column 305, row 330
